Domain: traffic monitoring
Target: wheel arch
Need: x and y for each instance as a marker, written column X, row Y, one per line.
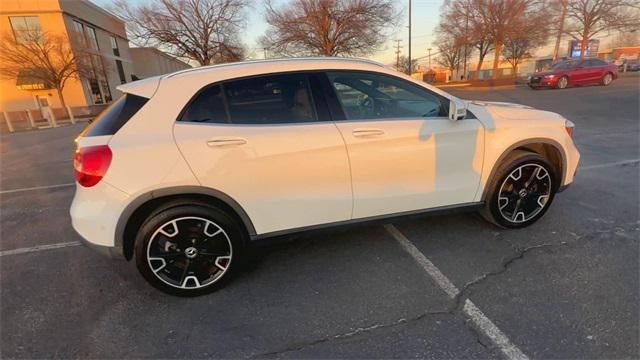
column 142, row 206
column 547, row 148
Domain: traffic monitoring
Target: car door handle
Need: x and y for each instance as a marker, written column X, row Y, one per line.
column 226, row 141
column 367, row 132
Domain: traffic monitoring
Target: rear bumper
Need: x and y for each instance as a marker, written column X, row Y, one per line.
column 94, row 214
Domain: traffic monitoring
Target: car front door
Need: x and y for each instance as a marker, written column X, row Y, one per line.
column 405, row 154
column 269, row 144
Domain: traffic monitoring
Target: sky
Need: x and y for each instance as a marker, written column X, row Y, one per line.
column 424, row 20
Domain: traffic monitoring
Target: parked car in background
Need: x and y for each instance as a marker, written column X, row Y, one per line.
column 575, row 72
column 185, row 170
column 633, row 67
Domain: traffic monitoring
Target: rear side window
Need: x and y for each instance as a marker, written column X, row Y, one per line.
column 208, row 106
column 596, row 62
column 271, row 99
column 111, row 119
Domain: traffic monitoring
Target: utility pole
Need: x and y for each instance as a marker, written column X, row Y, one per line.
column 409, row 70
column 560, row 30
column 265, row 52
column 398, row 47
column 429, row 49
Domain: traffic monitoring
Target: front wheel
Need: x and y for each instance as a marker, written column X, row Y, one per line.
column 563, row 82
column 521, row 191
column 189, row 250
column 606, row 79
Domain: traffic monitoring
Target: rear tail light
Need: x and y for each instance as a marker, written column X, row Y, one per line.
column 91, row 163
column 569, row 126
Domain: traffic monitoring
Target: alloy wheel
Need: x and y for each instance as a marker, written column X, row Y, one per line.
column 562, row 82
column 189, row 252
column 607, row 79
column 524, row 193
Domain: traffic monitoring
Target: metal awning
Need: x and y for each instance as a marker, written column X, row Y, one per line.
column 28, row 80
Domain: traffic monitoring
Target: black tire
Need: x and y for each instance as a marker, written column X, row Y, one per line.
column 228, row 248
column 523, row 160
column 559, row 83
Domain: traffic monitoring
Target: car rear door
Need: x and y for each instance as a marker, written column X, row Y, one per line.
column 592, row 71
column 269, row 144
column 405, row 154
column 580, row 74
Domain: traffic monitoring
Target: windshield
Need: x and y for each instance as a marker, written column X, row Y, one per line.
column 565, row 65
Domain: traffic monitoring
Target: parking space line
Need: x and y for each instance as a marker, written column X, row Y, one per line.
column 39, row 248
column 36, row 188
column 481, row 321
column 492, row 331
column 611, row 164
column 426, row 264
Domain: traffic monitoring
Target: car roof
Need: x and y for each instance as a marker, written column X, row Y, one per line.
column 148, row 86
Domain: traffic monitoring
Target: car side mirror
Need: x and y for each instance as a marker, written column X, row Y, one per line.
column 457, row 109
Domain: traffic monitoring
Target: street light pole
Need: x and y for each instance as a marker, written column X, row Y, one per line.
column 429, row 49
column 410, row 67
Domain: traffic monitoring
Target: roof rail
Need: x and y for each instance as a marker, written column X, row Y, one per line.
column 318, row 58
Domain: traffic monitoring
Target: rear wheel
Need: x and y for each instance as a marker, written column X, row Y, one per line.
column 606, row 79
column 521, row 192
column 563, row 82
column 189, row 250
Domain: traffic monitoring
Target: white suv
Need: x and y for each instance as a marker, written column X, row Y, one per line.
column 185, row 170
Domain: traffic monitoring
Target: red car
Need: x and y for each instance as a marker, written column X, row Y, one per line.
column 575, row 72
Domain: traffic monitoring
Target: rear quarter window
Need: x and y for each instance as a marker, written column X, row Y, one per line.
column 112, row 118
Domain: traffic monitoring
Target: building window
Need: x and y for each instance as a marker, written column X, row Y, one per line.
column 96, row 94
column 91, row 37
column 123, row 79
column 79, row 33
column 98, row 83
column 25, row 28
column 114, row 46
column 86, row 35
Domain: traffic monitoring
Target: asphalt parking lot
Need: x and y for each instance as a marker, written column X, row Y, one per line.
column 566, row 287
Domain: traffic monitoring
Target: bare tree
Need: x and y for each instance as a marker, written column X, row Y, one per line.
column 586, row 18
column 205, row 31
column 460, row 19
column 525, row 35
column 499, row 17
column 43, row 56
column 625, row 38
column 403, row 64
column 328, row 27
column 449, row 52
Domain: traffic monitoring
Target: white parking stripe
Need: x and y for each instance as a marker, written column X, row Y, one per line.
column 484, row 325
column 425, row 263
column 492, row 332
column 611, row 164
column 39, row 248
column 36, row 188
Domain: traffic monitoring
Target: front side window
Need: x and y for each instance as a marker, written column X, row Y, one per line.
column 25, row 28
column 375, row 96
